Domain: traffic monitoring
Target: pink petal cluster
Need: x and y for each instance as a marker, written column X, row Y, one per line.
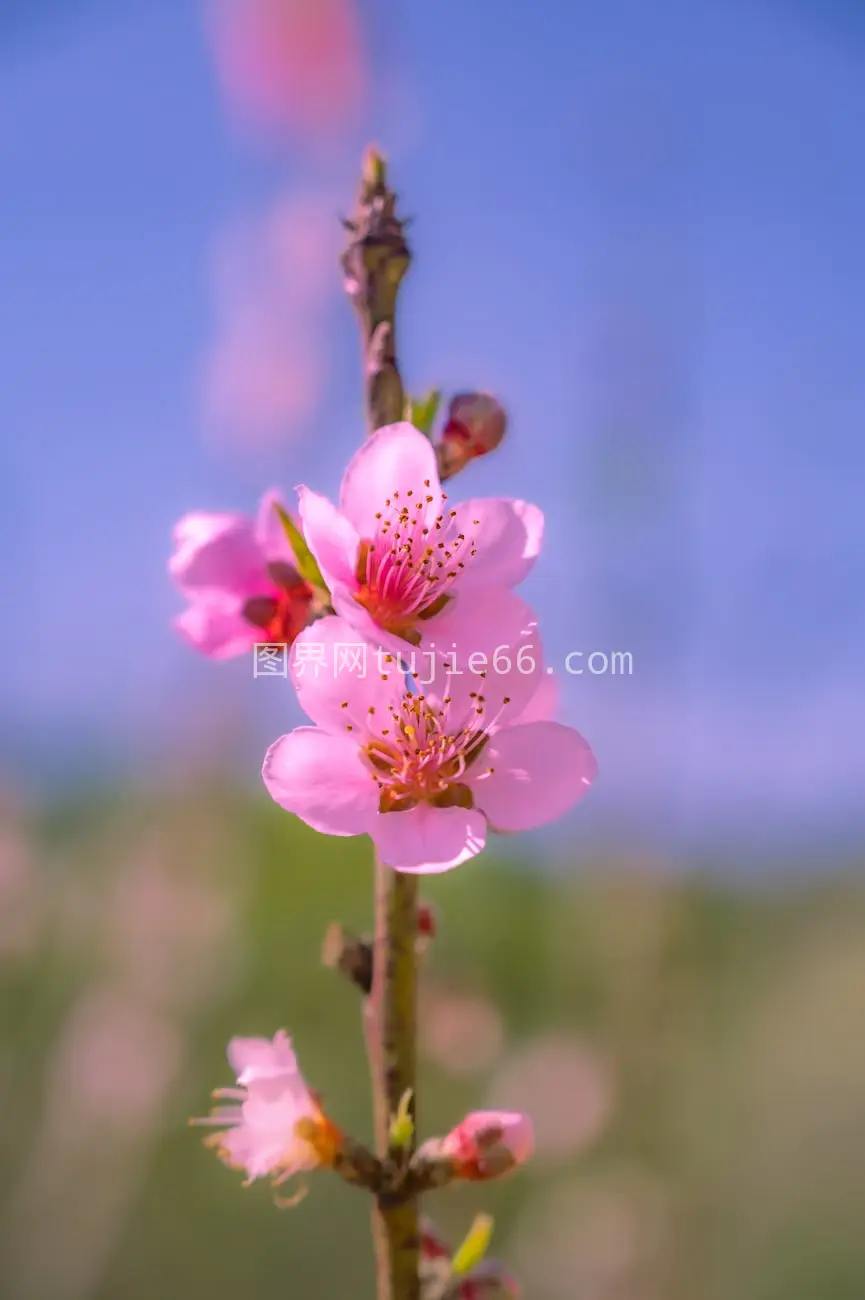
column 489, row 1143
column 238, row 576
column 272, row 1124
column 402, row 564
column 426, row 769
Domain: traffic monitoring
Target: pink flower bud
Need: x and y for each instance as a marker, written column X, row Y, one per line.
column 489, row 1144
column 475, row 425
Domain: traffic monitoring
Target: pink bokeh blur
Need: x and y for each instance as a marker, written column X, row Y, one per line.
column 274, row 283
column 292, row 68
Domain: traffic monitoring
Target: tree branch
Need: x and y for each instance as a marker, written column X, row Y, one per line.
column 374, row 262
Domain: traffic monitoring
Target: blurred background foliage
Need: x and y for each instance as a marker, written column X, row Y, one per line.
column 691, row 1051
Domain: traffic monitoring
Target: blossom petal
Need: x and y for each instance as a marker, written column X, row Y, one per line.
column 277, row 1101
column 493, row 650
column 539, row 771
column 217, row 628
column 331, row 538
column 506, row 537
column 339, row 677
column 218, row 553
column 269, row 532
column 545, row 702
column 256, row 1058
column 427, row 840
column 394, row 461
column 257, row 1153
column 322, row 780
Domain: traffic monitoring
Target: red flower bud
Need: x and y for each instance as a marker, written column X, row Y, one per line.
column 489, row 1144
column 476, row 424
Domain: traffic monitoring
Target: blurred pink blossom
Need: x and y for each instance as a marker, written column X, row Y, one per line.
column 108, row 1079
column 569, row 1087
column 461, row 1032
column 609, row 1236
column 294, row 68
column 274, row 280
column 240, row 581
column 116, row 1059
column 167, row 932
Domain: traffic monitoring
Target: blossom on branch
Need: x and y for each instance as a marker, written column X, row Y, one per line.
column 402, row 564
column 239, row 576
column 294, row 68
column 426, row 766
column 272, row 1125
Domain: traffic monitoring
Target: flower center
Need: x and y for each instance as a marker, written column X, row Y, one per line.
column 417, row 758
column 405, row 572
column 284, row 614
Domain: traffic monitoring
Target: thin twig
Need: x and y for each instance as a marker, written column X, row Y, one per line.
column 374, row 262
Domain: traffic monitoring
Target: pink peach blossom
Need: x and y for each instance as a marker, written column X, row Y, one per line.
column 404, row 566
column 425, row 770
column 273, row 1124
column 265, row 372
column 290, row 66
column 489, row 1143
column 240, row 581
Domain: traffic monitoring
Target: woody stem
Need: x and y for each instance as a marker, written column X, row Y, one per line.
column 374, row 262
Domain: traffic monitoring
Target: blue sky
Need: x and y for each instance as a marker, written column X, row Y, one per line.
column 640, row 224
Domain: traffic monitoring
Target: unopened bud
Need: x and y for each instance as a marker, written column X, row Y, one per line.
column 475, row 425
column 489, row 1144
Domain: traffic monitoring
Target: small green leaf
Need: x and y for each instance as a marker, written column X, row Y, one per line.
column 474, row 1248
column 306, row 565
column 402, row 1124
column 422, row 411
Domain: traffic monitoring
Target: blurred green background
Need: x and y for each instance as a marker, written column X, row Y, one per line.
column 692, row 1053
